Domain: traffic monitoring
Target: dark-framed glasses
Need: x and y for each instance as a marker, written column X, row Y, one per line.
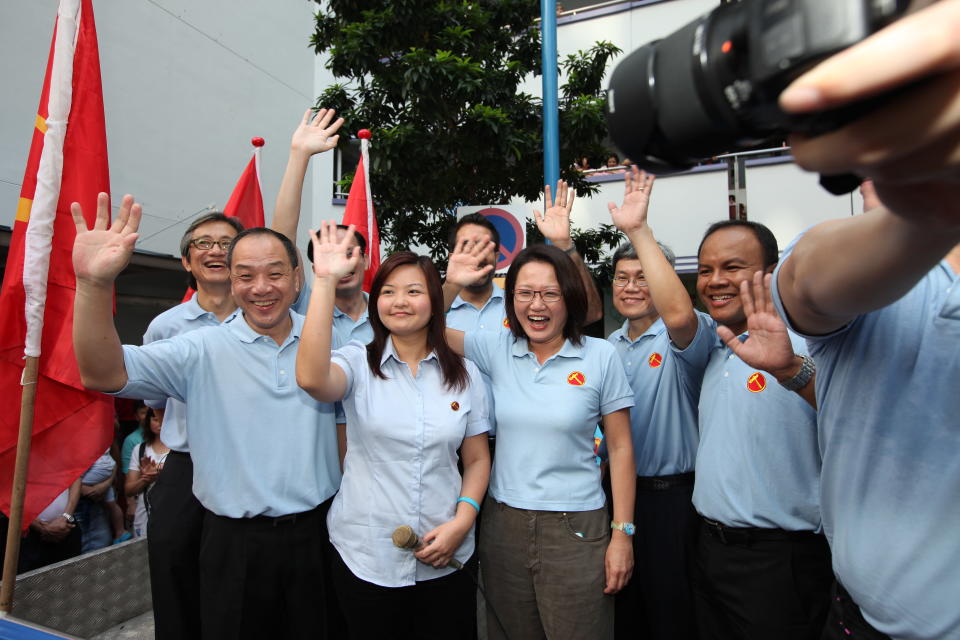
column 547, row 295
column 205, row 244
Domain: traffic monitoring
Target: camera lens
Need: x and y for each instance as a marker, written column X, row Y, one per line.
column 673, row 102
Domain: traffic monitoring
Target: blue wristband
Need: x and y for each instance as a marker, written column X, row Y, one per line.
column 469, row 501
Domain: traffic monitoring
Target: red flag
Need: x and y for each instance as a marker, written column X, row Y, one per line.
column 359, row 211
column 246, row 201
column 72, row 426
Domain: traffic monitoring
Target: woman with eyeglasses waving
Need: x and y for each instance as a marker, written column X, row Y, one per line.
column 550, row 563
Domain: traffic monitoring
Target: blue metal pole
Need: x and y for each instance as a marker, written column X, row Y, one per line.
column 551, row 121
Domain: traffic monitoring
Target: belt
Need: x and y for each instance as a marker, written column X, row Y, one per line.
column 747, row 535
column 289, row 519
column 662, row 483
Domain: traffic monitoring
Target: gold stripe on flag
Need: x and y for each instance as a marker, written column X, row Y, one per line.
column 41, row 124
column 23, row 209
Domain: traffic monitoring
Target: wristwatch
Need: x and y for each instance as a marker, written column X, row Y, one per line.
column 627, row 527
column 70, row 518
column 802, row 379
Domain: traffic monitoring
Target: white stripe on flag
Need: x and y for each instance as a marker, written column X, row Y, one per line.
column 365, row 153
column 39, row 234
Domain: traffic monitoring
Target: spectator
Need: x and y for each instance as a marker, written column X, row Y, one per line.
column 53, row 536
column 102, row 474
column 145, row 464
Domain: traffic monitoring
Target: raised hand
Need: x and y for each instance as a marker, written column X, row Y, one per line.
column 333, row 258
column 554, row 222
column 632, row 214
column 768, row 346
column 100, row 254
column 316, row 132
column 464, row 263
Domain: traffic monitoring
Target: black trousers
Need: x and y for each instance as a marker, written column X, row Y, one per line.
column 754, row 584
column 263, row 577
column 35, row 552
column 657, row 603
column 845, row 622
column 440, row 609
column 173, row 544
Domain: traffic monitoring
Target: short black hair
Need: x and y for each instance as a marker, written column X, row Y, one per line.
column 768, row 242
column 627, row 251
column 265, row 231
column 571, row 288
column 187, row 237
column 481, row 221
column 361, row 241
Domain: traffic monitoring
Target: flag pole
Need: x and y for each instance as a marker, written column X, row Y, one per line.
column 28, row 382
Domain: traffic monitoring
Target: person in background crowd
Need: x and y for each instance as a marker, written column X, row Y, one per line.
column 53, row 536
column 98, row 480
column 409, row 400
column 664, row 345
column 762, row 564
column 878, row 298
column 145, row 464
column 582, row 163
column 550, row 564
column 266, row 490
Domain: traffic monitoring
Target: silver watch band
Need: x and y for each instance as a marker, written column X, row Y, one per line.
column 802, row 379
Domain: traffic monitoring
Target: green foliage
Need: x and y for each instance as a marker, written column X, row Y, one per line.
column 436, row 81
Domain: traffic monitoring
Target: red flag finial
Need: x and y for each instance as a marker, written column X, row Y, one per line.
column 364, row 134
column 258, row 142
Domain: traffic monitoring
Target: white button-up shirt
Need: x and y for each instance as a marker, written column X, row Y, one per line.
column 401, row 464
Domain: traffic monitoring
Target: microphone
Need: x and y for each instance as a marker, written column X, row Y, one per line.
column 405, row 537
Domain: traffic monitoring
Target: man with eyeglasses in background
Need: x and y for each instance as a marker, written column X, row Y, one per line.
column 664, row 345
column 176, row 516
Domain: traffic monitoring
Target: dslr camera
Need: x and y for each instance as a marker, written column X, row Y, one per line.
column 712, row 86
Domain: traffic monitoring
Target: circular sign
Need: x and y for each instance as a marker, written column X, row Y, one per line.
column 511, row 233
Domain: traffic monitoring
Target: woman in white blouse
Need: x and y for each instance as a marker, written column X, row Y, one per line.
column 411, row 403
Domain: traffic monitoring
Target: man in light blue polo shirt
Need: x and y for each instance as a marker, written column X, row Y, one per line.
column 658, row 601
column 264, row 451
column 885, row 332
column 762, row 566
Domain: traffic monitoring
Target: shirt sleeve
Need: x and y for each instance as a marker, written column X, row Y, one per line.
column 152, row 335
column 692, row 361
column 160, row 369
column 350, row 359
column 615, row 393
column 479, row 421
column 479, row 346
column 778, row 301
column 135, row 460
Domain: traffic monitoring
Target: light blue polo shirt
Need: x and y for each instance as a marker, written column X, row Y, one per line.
column 546, row 417
column 758, row 464
column 888, row 387
column 187, row 316
column 666, row 389
column 349, row 330
column 492, row 316
column 260, row 444
column 401, row 463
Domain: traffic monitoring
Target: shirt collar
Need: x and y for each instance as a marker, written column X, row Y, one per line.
column 193, row 310
column 497, row 293
column 623, row 333
column 521, row 348
column 366, row 310
column 390, row 352
column 238, row 324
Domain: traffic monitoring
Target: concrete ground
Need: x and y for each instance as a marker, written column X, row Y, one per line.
column 139, row 628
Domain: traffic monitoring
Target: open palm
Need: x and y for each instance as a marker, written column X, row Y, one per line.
column 554, row 222
column 334, row 258
column 632, row 214
column 316, row 134
column 100, row 254
column 768, row 345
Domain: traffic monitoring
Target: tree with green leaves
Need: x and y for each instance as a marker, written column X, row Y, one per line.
column 437, row 82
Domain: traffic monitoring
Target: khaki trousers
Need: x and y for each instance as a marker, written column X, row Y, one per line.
column 543, row 573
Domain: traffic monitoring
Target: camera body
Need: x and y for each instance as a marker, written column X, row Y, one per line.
column 712, row 86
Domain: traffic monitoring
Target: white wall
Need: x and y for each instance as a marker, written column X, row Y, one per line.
column 186, row 85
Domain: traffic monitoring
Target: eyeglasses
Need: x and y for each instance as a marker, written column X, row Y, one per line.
column 549, row 296
column 205, row 245
column 622, row 281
